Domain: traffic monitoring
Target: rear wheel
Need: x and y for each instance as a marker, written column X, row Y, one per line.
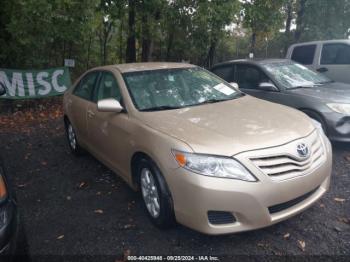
column 155, row 194
column 72, row 139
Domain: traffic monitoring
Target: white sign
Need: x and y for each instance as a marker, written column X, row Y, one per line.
column 224, row 89
column 69, row 62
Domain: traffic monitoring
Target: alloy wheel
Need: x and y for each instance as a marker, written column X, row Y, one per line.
column 71, row 137
column 150, row 192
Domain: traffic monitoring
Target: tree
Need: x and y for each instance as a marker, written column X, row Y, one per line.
column 210, row 19
column 263, row 17
column 131, row 42
column 300, row 23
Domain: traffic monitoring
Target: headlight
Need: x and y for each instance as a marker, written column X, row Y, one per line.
column 215, row 166
column 340, row 108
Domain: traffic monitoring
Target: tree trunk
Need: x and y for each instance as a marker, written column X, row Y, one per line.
column 131, row 42
column 104, row 51
column 88, row 52
column 146, row 42
column 170, row 44
column 121, row 56
column 211, row 53
column 252, row 43
column 289, row 18
column 64, row 52
column 300, row 20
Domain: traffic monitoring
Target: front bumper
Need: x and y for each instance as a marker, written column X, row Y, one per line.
column 338, row 126
column 195, row 195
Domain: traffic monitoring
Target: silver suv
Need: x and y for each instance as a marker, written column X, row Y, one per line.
column 331, row 57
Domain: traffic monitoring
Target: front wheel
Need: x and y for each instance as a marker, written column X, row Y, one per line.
column 72, row 139
column 155, row 194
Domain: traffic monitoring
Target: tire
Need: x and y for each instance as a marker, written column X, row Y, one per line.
column 22, row 249
column 318, row 118
column 155, row 190
column 72, row 139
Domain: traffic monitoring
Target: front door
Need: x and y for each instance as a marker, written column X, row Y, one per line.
column 335, row 62
column 108, row 131
column 248, row 78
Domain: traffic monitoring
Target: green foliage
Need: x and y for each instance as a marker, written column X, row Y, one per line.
column 326, row 19
column 42, row 33
column 263, row 18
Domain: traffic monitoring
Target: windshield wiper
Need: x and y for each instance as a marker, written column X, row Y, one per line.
column 158, row 108
column 296, row 87
column 325, row 82
column 211, row 101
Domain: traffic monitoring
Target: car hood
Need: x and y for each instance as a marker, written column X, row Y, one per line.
column 332, row 92
column 231, row 127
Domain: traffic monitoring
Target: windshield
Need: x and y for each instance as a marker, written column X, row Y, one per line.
column 176, row 88
column 292, row 75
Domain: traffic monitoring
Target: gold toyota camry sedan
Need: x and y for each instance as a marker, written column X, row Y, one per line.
column 201, row 152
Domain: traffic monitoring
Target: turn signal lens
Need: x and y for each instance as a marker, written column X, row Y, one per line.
column 3, row 191
column 180, row 158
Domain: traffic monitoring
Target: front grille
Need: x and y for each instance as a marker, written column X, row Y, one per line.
column 290, row 203
column 220, row 217
column 291, row 165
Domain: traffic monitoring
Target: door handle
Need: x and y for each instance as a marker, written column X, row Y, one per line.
column 90, row 114
column 322, row 69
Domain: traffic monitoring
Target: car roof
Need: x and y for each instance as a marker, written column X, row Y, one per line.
column 256, row 61
column 334, row 41
column 146, row 66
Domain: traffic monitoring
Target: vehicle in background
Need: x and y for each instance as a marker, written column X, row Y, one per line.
column 286, row 82
column 202, row 152
column 331, row 57
column 8, row 213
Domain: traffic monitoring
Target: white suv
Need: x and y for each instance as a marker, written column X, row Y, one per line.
column 331, row 57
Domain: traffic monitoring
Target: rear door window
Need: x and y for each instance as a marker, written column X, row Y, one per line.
column 226, row 72
column 304, row 54
column 335, row 54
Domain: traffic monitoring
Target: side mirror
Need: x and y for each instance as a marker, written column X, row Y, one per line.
column 266, row 86
column 109, row 105
column 234, row 84
column 2, row 89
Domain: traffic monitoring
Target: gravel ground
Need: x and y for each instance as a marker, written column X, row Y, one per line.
column 75, row 208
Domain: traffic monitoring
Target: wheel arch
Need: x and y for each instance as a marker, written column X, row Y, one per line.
column 314, row 114
column 135, row 161
column 65, row 120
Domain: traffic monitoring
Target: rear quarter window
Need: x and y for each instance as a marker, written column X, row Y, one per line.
column 304, row 54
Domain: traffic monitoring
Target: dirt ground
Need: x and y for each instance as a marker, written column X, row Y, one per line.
column 74, row 207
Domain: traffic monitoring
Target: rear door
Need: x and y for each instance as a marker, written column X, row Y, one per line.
column 79, row 102
column 109, row 131
column 335, row 61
